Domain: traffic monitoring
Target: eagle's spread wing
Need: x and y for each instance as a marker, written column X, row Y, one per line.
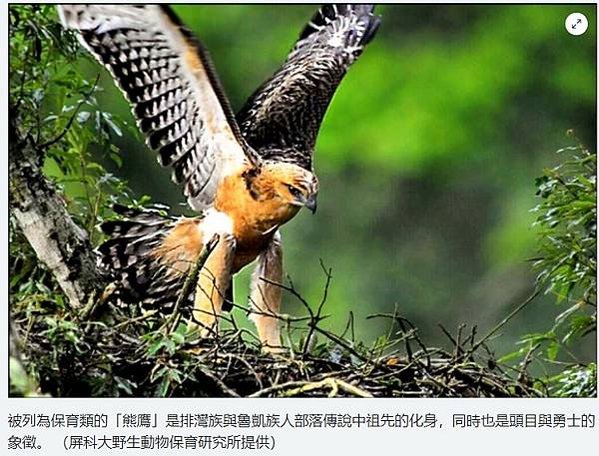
column 170, row 81
column 283, row 116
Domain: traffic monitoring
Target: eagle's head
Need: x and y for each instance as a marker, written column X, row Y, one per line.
column 285, row 183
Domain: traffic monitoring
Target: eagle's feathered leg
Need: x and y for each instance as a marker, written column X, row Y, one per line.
column 265, row 295
column 213, row 281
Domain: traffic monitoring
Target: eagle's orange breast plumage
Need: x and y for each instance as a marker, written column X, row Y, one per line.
column 254, row 223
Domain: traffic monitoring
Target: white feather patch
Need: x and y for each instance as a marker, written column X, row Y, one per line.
column 215, row 222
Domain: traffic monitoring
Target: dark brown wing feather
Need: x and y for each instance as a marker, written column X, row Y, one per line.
column 282, row 118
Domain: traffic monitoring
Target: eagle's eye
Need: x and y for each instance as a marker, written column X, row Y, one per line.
column 295, row 192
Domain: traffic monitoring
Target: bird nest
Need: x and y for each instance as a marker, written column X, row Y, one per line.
column 114, row 352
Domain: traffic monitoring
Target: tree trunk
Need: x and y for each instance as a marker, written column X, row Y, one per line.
column 41, row 214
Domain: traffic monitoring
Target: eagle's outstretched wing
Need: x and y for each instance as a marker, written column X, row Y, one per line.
column 169, row 79
column 284, row 115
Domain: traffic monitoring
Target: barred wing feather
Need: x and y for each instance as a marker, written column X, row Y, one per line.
column 282, row 118
column 176, row 96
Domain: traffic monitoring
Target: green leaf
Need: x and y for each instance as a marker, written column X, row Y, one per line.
column 553, row 350
column 155, row 347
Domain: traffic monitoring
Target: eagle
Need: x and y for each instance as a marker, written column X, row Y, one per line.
column 245, row 175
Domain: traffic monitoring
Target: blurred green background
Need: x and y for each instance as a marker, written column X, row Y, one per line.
column 427, row 157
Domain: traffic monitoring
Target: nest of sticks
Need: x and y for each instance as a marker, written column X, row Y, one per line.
column 110, row 351
column 106, row 350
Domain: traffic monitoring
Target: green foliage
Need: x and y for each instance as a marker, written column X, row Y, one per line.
column 58, row 109
column 567, row 231
column 567, row 222
column 20, row 383
column 577, row 381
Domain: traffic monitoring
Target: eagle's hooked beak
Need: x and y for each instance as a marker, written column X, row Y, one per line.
column 311, row 203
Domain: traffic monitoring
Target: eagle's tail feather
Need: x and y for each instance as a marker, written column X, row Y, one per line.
column 130, row 255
